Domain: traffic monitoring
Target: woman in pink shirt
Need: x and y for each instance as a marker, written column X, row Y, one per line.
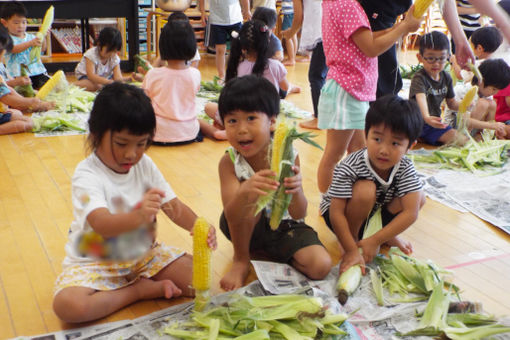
column 351, row 51
column 173, row 88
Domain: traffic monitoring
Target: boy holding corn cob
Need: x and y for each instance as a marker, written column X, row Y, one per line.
column 14, row 18
column 248, row 106
column 378, row 176
column 431, row 85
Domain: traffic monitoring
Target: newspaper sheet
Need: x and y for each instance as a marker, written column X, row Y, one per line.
column 486, row 194
column 370, row 320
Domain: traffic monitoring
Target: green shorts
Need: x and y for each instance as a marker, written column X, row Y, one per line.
column 338, row 110
column 280, row 244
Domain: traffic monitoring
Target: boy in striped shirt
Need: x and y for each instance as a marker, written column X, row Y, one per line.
column 379, row 175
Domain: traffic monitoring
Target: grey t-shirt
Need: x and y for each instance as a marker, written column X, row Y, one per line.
column 435, row 91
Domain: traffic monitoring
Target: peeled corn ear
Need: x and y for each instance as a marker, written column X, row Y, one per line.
column 468, row 99
column 420, row 7
column 35, row 52
column 201, row 263
column 55, row 80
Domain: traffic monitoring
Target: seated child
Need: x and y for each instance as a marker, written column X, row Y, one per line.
column 248, row 107
column 14, row 18
column 495, row 77
column 431, row 85
column 173, row 88
column 11, row 103
column 118, row 191
column 485, row 41
column 100, row 65
column 379, row 175
column 502, row 99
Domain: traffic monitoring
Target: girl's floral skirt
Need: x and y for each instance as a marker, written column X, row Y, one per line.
column 111, row 275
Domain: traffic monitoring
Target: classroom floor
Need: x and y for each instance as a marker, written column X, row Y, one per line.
column 35, row 213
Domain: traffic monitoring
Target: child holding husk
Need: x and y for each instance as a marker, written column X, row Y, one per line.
column 248, row 107
column 378, row 176
column 117, row 191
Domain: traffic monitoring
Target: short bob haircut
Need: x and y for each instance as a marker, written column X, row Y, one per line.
column 495, row 72
column 120, row 107
column 398, row 114
column 266, row 15
column 111, row 38
column 177, row 40
column 490, row 38
column 435, row 40
column 249, row 93
column 12, row 8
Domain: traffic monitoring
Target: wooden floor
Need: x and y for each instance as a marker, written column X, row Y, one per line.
column 35, row 213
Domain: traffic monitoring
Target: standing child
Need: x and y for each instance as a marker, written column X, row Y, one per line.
column 431, row 85
column 351, row 50
column 248, row 107
column 173, row 88
column 290, row 42
column 378, row 176
column 117, row 191
column 11, row 102
column 225, row 17
column 100, row 65
column 14, row 18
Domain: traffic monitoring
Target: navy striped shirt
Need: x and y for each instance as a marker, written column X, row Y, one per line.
column 469, row 22
column 403, row 179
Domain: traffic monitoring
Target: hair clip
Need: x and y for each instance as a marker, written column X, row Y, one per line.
column 235, row 34
column 263, row 29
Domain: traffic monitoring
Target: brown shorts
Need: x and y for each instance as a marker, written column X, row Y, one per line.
column 280, row 244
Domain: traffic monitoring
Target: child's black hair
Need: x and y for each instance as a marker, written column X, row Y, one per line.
column 111, row 38
column 266, row 15
column 12, row 8
column 488, row 37
column 120, row 107
column 495, row 72
column 177, row 40
column 434, row 40
column 5, row 40
column 253, row 38
column 249, row 93
column 398, row 114
column 176, row 16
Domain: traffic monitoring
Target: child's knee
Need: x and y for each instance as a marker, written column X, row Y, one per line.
column 364, row 192
column 317, row 263
column 68, row 308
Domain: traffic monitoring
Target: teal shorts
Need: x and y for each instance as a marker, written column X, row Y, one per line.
column 338, row 110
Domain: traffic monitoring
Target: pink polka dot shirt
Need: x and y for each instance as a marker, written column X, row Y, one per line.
column 348, row 65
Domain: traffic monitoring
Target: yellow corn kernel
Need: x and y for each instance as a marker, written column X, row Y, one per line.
column 420, row 7
column 468, row 99
column 280, row 134
column 201, row 263
column 35, row 52
column 50, row 84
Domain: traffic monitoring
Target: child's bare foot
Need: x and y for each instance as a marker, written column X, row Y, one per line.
column 404, row 245
column 289, row 62
column 220, row 135
column 235, row 277
column 150, row 289
column 294, row 89
column 310, row 124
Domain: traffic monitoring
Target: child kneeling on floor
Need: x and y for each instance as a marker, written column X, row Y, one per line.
column 248, row 107
column 377, row 176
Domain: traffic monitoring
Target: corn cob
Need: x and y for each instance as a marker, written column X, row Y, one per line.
column 467, row 100
column 201, row 263
column 475, row 71
column 25, row 90
column 420, row 7
column 139, row 61
column 56, row 79
column 35, row 52
column 348, row 282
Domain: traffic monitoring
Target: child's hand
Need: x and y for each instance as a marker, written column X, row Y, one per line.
column 410, row 22
column 45, row 106
column 369, row 249
column 351, row 258
column 21, row 81
column 211, row 237
column 36, row 42
column 500, row 130
column 293, row 184
column 150, row 204
column 435, row 122
column 260, row 183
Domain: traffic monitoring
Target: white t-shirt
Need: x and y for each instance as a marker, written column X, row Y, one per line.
column 102, row 70
column 225, row 12
column 95, row 186
column 311, row 30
